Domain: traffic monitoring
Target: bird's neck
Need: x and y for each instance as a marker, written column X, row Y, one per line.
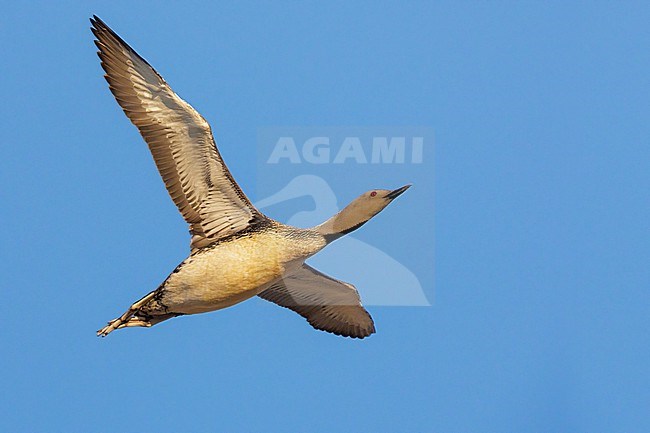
column 344, row 222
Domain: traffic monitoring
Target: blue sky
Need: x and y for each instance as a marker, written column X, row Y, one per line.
column 535, row 203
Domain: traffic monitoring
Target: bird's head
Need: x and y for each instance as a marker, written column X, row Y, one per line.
column 359, row 211
column 370, row 203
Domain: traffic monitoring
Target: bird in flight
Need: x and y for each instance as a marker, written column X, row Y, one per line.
column 236, row 251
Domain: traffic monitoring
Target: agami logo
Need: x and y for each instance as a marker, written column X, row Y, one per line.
column 297, row 165
column 359, row 150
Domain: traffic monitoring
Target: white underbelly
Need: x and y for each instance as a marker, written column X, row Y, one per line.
column 226, row 275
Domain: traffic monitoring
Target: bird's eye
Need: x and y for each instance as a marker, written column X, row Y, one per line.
column 374, row 193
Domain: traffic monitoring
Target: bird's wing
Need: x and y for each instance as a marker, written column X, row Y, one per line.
column 180, row 140
column 327, row 304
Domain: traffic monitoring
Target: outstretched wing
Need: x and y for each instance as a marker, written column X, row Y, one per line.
column 327, row 304
column 180, row 141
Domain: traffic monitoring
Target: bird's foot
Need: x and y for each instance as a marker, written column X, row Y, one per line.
column 127, row 319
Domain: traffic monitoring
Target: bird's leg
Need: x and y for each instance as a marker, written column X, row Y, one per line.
column 135, row 322
column 123, row 320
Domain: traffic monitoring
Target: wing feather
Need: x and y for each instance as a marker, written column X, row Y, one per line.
column 327, row 304
column 179, row 139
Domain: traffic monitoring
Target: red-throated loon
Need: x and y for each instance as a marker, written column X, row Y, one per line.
column 236, row 251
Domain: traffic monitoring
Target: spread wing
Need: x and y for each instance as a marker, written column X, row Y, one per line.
column 180, row 141
column 327, row 304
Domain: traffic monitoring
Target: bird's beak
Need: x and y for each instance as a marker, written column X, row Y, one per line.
column 394, row 194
